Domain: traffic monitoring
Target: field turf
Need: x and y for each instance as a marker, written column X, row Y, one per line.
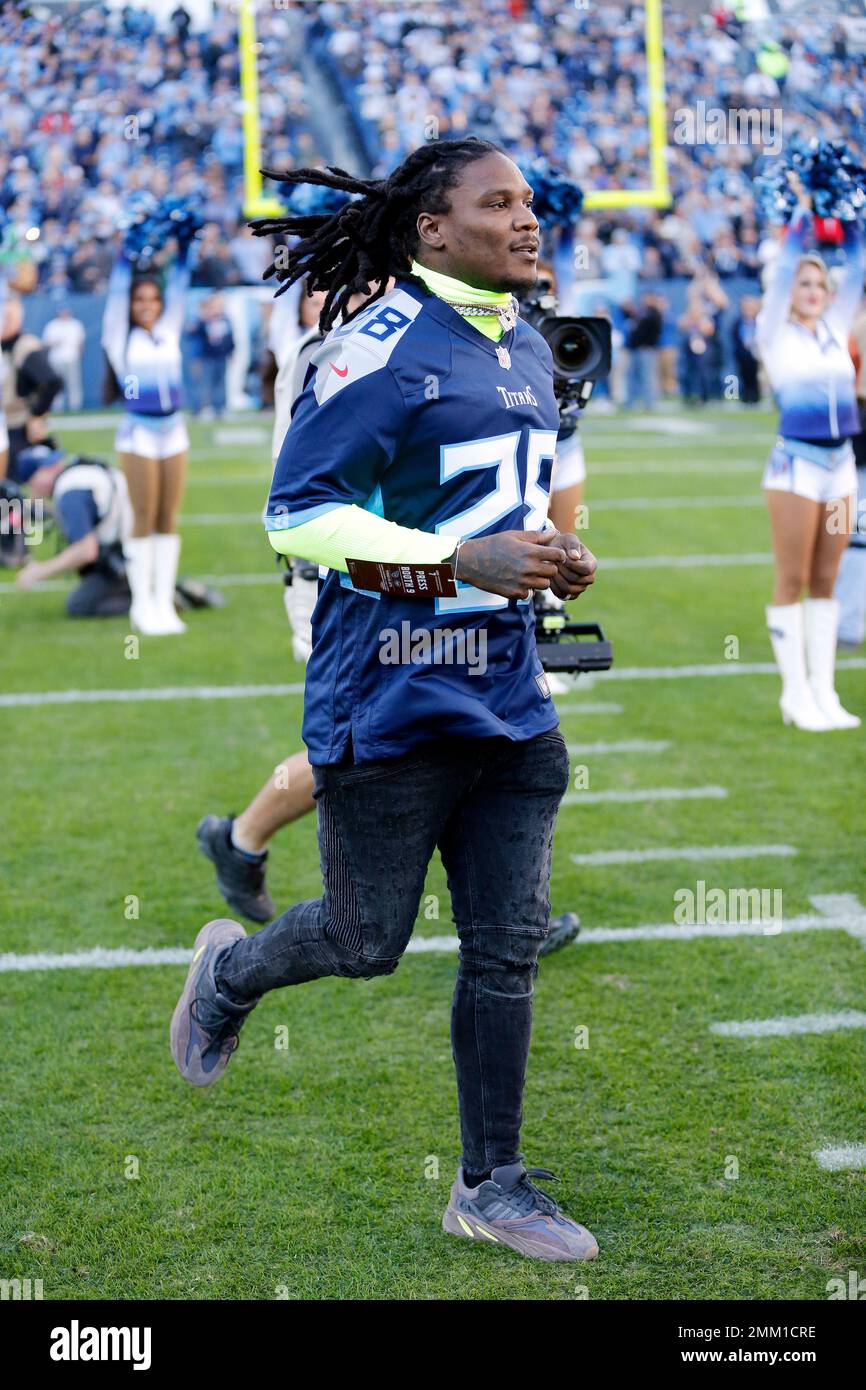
column 320, row 1170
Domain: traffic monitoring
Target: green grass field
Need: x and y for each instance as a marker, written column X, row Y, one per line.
column 311, row 1172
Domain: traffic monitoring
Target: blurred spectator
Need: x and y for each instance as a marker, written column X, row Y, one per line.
column 642, row 342
column 745, row 354
column 697, row 333
column 668, row 350
column 211, row 345
column 63, row 336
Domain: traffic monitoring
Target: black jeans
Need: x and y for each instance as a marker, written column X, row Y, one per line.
column 490, row 806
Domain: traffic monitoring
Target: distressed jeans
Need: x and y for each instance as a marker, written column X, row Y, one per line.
column 490, row 806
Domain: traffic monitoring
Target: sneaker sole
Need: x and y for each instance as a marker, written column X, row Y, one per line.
column 179, row 1032
column 456, row 1223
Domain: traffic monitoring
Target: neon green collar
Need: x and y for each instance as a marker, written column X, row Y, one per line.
column 448, row 288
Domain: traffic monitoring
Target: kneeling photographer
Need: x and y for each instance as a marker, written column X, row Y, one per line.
column 91, row 508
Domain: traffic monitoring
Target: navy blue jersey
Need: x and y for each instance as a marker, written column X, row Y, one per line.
column 409, row 412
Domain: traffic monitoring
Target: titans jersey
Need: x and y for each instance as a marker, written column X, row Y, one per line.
column 409, row 412
column 812, row 374
column 147, row 365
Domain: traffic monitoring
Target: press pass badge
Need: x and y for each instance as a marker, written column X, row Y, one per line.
column 405, row 581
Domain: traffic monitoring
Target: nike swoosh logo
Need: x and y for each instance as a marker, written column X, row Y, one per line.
column 344, row 372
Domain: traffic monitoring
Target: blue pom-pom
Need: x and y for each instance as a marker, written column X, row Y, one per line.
column 148, row 224
column 312, row 199
column 558, row 199
column 828, row 172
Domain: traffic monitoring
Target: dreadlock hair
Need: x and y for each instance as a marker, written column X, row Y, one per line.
column 375, row 235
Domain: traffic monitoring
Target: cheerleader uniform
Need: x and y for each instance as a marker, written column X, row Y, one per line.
column 813, row 380
column 148, row 365
column 812, row 376
column 148, row 370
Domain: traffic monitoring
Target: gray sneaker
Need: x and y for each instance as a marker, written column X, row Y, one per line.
column 205, row 1025
column 510, row 1210
column 240, row 880
column 563, row 930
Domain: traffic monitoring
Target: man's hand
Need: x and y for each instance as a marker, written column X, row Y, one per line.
column 577, row 571
column 29, row 575
column 512, row 563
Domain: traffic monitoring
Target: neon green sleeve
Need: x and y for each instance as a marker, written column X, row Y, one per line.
column 349, row 530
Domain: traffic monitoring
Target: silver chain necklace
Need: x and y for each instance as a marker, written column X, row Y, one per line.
column 506, row 313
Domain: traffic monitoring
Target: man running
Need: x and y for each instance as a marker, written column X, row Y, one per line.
column 423, row 446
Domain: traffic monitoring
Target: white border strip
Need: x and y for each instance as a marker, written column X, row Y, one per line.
column 646, row 794
column 836, row 912
column 626, row 745
column 699, row 852
column 784, row 1027
column 835, row 1160
column 166, row 692
column 229, row 692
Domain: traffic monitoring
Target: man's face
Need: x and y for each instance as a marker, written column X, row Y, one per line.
column 490, row 236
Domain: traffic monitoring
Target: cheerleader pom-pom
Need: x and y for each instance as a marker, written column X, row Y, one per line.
column 137, row 225
column 182, row 219
column 829, row 174
column 148, row 224
column 312, row 200
column 557, row 200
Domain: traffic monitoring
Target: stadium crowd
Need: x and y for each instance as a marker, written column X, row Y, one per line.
column 83, row 130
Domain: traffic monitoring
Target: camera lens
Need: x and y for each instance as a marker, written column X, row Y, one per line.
column 574, row 351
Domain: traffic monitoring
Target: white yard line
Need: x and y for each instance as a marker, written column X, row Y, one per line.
column 667, row 562
column 227, row 479
column 795, row 1023
column 589, row 707
column 698, row 446
column 698, row 852
column 227, row 692
column 165, row 692
column 716, row 467
column 836, row 912
column 722, row 668
column 650, row 504
column 836, row 1160
column 616, row 562
column 626, row 745
column 646, row 794
column 607, row 504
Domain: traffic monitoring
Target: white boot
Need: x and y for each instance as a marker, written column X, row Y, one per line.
column 166, row 553
column 138, row 553
column 821, row 623
column 798, row 704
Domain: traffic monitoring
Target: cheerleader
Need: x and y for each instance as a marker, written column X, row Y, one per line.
column 810, row 478
column 18, row 273
column 141, row 331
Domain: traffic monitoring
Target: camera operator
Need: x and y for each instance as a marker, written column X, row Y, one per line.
column 30, row 384
column 92, row 510
column 581, row 353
